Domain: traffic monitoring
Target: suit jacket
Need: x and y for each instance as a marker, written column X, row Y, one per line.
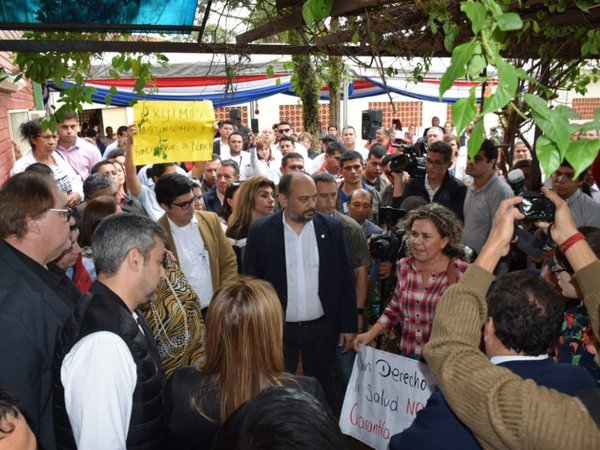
column 211, row 200
column 223, row 264
column 31, row 315
column 265, row 259
column 436, row 426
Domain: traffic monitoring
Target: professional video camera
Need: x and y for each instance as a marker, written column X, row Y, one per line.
column 409, row 161
column 388, row 245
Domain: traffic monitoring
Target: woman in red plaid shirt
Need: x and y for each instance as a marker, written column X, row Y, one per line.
column 435, row 262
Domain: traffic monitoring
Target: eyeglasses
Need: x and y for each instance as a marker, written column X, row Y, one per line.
column 48, row 137
column 285, row 130
column 556, row 269
column 186, row 204
column 67, row 212
column 436, row 163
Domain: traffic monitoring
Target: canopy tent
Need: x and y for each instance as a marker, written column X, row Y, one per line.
column 188, row 79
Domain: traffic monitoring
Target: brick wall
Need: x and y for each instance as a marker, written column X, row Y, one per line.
column 585, row 107
column 409, row 113
column 9, row 101
column 293, row 114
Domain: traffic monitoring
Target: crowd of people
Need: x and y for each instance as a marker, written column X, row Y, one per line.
column 212, row 304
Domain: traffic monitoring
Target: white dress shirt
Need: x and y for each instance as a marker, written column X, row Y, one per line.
column 193, row 258
column 302, row 272
column 99, row 376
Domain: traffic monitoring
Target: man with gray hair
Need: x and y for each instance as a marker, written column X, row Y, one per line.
column 107, row 377
column 96, row 185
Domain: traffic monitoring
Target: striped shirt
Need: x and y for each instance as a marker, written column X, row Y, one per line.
column 413, row 303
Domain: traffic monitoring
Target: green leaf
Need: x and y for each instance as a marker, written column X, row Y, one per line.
column 548, row 154
column 270, row 71
column 355, row 38
column 493, row 7
column 461, row 55
column 477, row 14
column 509, row 22
column 555, row 127
column 313, row 11
column 463, row 111
column 580, row 154
column 477, row 137
column 476, row 66
column 506, row 89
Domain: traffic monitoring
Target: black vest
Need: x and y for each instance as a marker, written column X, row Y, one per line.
column 102, row 310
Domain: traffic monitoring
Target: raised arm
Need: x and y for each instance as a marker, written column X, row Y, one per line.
column 133, row 182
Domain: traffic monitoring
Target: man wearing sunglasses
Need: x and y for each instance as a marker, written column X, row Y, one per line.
column 285, row 129
column 438, row 185
column 34, row 230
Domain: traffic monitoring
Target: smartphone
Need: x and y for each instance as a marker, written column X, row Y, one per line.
column 536, row 207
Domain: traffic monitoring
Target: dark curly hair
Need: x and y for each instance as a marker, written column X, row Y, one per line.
column 30, row 130
column 446, row 222
column 527, row 313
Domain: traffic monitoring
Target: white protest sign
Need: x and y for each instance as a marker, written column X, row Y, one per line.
column 383, row 396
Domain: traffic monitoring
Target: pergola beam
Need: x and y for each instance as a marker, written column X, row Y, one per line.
column 412, row 48
column 295, row 20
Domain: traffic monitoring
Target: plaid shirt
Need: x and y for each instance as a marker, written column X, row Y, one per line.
column 413, row 303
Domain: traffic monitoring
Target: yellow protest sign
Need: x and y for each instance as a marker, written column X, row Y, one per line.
column 183, row 131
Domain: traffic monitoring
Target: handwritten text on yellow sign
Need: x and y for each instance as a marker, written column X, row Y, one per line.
column 184, row 130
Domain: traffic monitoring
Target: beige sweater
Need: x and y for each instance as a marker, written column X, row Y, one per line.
column 501, row 409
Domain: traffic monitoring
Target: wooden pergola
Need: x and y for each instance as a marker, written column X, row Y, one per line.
column 400, row 27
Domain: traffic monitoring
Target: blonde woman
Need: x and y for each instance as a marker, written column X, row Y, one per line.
column 244, row 356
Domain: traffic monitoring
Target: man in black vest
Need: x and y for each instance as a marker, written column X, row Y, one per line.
column 108, row 381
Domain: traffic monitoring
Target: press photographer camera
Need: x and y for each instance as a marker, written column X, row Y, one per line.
column 389, row 245
column 536, row 208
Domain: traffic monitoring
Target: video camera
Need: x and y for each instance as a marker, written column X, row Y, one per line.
column 408, row 161
column 389, row 245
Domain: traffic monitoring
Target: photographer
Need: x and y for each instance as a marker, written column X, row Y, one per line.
column 433, row 234
column 438, row 186
column 500, row 408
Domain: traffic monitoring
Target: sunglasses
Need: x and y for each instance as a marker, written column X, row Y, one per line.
column 285, row 130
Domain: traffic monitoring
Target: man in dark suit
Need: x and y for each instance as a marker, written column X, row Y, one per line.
column 525, row 319
column 303, row 254
column 227, row 172
column 34, row 230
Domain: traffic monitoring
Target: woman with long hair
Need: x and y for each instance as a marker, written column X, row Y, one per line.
column 43, row 150
column 244, row 356
column 256, row 198
column 435, row 262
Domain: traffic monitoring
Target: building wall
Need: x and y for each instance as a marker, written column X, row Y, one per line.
column 9, row 101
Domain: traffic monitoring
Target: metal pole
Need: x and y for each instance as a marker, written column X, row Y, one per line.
column 345, row 98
